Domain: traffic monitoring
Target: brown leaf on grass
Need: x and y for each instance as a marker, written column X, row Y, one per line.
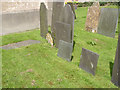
column 33, row 82
column 50, row 83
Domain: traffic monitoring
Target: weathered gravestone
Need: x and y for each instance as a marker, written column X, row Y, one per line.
column 65, row 50
column 63, row 32
column 67, row 16
column 88, row 61
column 57, row 8
column 43, row 20
column 116, row 67
column 73, row 8
column 108, row 22
column 93, row 17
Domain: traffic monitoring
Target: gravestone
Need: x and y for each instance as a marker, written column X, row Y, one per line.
column 116, row 68
column 88, row 61
column 65, row 50
column 43, row 20
column 67, row 16
column 73, row 8
column 57, row 8
column 93, row 15
column 108, row 22
column 63, row 32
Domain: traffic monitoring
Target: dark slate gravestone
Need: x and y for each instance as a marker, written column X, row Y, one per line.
column 57, row 8
column 108, row 22
column 88, row 61
column 65, row 50
column 116, row 67
column 63, row 32
column 43, row 20
column 73, row 8
column 67, row 16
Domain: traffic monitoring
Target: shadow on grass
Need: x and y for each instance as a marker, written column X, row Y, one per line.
column 111, row 68
column 73, row 45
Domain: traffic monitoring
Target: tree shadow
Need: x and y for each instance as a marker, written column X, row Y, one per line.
column 111, row 67
column 73, row 45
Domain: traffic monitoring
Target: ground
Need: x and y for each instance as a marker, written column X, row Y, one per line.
column 37, row 66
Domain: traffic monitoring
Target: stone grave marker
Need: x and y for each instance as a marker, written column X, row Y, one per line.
column 116, row 68
column 108, row 22
column 67, row 16
column 57, row 8
column 73, row 8
column 93, row 15
column 65, row 50
column 63, row 32
column 88, row 61
column 43, row 20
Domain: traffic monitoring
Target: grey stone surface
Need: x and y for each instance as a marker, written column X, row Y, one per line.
column 65, row 50
column 57, row 8
column 19, row 44
column 63, row 32
column 88, row 61
column 73, row 8
column 20, row 21
column 108, row 22
column 43, row 21
column 67, row 16
column 116, row 68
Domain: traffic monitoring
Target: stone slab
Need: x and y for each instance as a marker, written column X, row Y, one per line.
column 65, row 50
column 88, row 61
column 63, row 32
column 43, row 21
column 108, row 22
column 20, row 44
column 93, row 15
column 116, row 68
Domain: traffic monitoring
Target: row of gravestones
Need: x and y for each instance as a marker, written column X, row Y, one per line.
column 102, row 21
column 62, row 31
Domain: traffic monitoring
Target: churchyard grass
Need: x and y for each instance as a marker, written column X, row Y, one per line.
column 38, row 66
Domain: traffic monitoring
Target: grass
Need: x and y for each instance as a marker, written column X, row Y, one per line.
column 40, row 65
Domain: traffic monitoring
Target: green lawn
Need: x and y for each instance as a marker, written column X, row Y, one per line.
column 46, row 70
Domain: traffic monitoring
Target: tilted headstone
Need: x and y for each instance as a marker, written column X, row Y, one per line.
column 88, row 61
column 67, row 16
column 73, row 8
column 57, row 8
column 65, row 50
column 43, row 20
column 108, row 22
column 63, row 32
column 93, row 17
column 116, row 67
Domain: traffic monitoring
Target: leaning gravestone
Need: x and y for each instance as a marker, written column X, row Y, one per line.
column 63, row 32
column 116, row 67
column 93, row 17
column 65, row 50
column 67, row 16
column 88, row 61
column 73, row 8
column 43, row 20
column 108, row 22
column 57, row 8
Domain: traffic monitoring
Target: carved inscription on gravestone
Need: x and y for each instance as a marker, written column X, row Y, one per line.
column 108, row 22
column 93, row 17
column 88, row 61
column 43, row 20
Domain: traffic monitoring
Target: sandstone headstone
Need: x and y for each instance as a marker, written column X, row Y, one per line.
column 57, row 8
column 67, row 16
column 108, row 22
column 63, row 32
column 88, row 61
column 73, row 8
column 65, row 50
column 43, row 20
column 93, row 17
column 116, row 67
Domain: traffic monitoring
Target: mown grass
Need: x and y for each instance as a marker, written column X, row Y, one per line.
column 39, row 63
